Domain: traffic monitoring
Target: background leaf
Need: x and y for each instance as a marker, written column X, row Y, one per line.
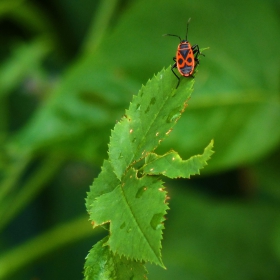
column 214, row 235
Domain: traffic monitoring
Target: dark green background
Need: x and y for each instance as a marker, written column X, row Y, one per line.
column 68, row 70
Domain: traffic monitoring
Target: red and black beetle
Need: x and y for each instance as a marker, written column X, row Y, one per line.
column 186, row 57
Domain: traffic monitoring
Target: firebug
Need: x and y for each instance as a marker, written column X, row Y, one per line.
column 186, row 58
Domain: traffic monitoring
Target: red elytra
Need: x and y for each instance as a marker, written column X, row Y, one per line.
column 186, row 57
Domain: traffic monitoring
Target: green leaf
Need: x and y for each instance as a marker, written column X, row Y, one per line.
column 104, row 183
column 149, row 119
column 171, row 164
column 135, row 206
column 233, row 122
column 135, row 211
column 101, row 264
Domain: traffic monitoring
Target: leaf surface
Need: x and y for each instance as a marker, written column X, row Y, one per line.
column 149, row 119
column 102, row 264
column 135, row 211
column 104, row 183
column 171, row 164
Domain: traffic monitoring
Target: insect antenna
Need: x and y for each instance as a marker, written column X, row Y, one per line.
column 187, row 28
column 173, row 35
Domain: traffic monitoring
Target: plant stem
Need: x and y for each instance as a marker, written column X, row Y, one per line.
column 28, row 252
column 12, row 176
column 30, row 189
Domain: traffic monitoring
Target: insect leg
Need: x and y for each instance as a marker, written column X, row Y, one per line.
column 175, row 66
column 196, row 51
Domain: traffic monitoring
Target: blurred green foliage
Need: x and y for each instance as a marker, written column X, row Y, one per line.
column 69, row 69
